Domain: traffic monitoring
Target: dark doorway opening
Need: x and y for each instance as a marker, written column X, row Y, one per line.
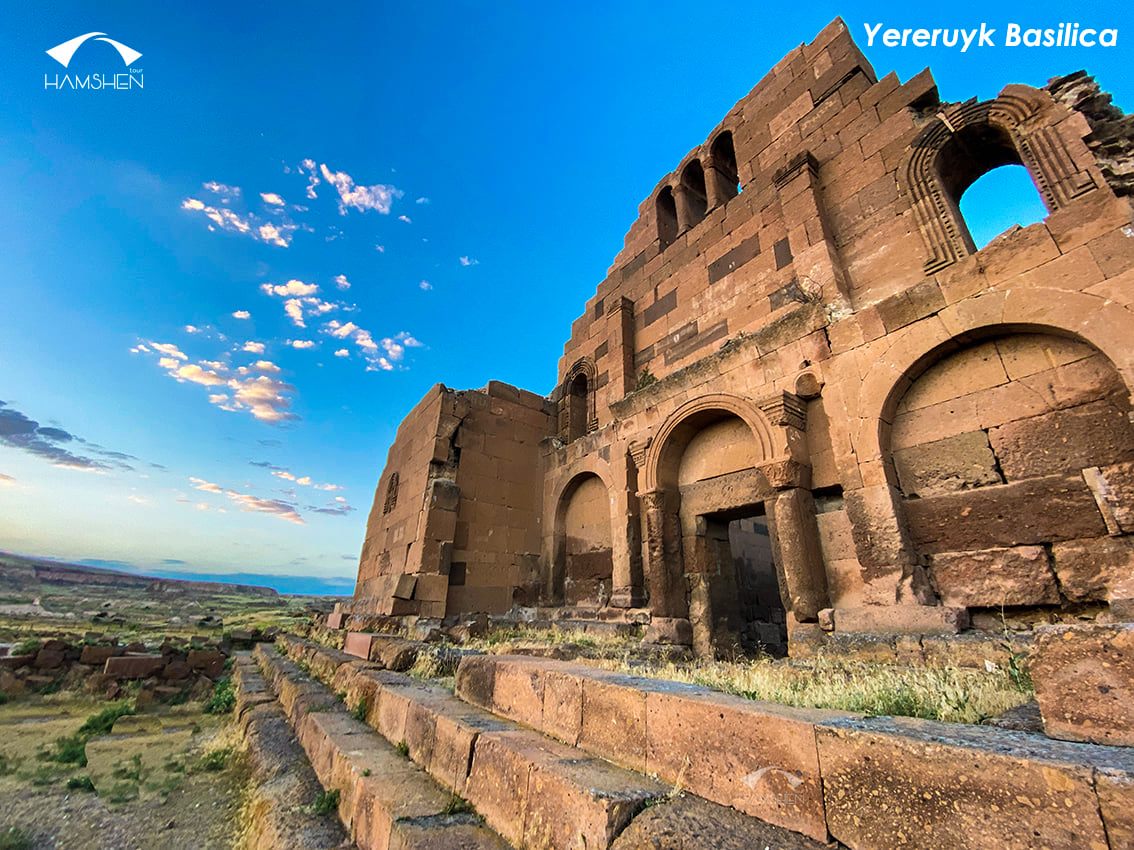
column 747, row 590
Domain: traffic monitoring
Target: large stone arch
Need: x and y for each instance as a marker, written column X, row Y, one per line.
column 664, row 449
column 1080, row 325
column 583, row 559
column 1097, row 321
column 1019, row 125
column 769, row 478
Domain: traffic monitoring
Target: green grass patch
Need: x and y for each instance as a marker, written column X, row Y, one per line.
column 457, row 805
column 326, row 802
column 15, row 838
column 223, row 698
column 80, row 783
column 360, row 711
column 215, row 760
column 103, row 722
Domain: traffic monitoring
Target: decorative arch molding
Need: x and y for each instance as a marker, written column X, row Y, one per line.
column 566, row 482
column 772, row 441
column 556, row 516
column 1096, row 321
column 584, row 367
column 1022, row 113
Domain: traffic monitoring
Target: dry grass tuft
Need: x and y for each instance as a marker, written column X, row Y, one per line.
column 952, row 694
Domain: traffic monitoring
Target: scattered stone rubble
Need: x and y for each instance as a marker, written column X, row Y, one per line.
column 171, row 670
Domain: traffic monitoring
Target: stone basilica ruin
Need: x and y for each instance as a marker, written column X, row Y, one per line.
column 803, row 407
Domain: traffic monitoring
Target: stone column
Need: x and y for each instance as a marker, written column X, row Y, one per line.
column 660, row 550
column 681, row 199
column 795, row 544
column 623, row 376
column 719, row 186
column 627, row 590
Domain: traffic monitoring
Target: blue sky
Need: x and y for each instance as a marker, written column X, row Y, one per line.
column 477, row 166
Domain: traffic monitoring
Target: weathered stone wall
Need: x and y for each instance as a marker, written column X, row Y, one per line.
column 799, row 327
column 456, row 516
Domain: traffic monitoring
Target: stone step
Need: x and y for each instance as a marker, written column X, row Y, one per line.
column 385, row 801
column 535, row 791
column 284, row 788
column 872, row 783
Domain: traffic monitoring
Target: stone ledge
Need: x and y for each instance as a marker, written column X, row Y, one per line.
column 521, row 782
column 385, row 801
column 961, row 785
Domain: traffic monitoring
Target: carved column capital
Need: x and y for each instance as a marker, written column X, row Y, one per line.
column 785, row 409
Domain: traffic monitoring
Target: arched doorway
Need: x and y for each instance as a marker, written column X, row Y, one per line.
column 584, row 568
column 725, row 533
column 1001, row 448
column 710, row 533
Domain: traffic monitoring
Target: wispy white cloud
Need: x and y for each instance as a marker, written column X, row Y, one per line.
column 241, row 314
column 253, row 347
column 378, row 197
column 192, row 329
column 292, row 287
column 425, row 286
column 341, row 281
column 381, row 356
column 469, row 261
column 248, row 225
column 268, row 399
column 249, row 502
column 301, row 344
column 168, row 349
column 7, row 480
column 406, row 219
column 381, row 249
column 422, row 200
column 307, row 168
column 224, row 192
column 272, row 199
column 342, row 352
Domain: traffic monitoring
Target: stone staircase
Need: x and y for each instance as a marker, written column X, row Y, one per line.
column 563, row 756
column 531, row 790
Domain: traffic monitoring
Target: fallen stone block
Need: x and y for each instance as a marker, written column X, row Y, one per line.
column 358, row 644
column 97, row 655
column 133, row 666
column 1084, row 681
column 904, row 783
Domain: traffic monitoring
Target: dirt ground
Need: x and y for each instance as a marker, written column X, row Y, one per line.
column 169, row 777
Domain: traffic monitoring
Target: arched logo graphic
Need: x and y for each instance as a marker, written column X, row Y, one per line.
column 63, row 53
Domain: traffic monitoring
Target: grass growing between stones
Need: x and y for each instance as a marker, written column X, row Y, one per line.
column 504, row 639
column 951, row 694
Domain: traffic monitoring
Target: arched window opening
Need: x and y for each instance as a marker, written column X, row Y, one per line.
column 391, row 494
column 999, row 200
column 667, row 218
column 970, row 154
column 724, row 167
column 696, row 199
column 577, row 408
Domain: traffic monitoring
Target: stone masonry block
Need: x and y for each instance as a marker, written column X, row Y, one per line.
column 1063, row 441
column 955, row 463
column 1084, row 680
column 902, row 784
column 133, row 666
column 757, row 757
column 1039, row 510
column 989, row 578
column 614, row 720
column 1088, row 569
